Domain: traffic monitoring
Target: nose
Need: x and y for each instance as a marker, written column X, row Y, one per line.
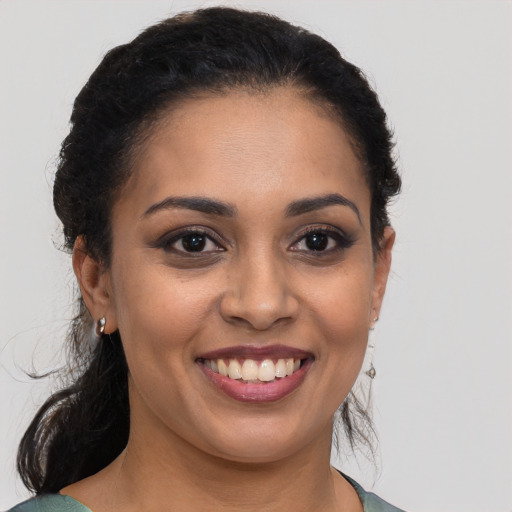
column 258, row 294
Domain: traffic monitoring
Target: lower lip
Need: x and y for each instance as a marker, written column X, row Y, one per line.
column 260, row 392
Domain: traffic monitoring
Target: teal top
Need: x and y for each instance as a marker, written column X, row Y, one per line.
column 59, row 503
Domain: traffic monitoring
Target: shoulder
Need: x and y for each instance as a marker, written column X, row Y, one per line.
column 371, row 502
column 50, row 503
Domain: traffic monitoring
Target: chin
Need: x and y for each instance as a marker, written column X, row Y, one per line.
column 267, row 441
column 259, row 451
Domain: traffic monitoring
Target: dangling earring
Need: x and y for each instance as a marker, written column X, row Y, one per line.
column 371, row 372
column 100, row 326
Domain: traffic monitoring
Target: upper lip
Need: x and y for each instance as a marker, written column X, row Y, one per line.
column 257, row 352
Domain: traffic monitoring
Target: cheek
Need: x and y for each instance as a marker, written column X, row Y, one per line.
column 159, row 317
column 342, row 300
column 158, row 313
column 341, row 313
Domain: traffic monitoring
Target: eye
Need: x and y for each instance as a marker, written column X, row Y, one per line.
column 322, row 240
column 318, row 241
column 192, row 242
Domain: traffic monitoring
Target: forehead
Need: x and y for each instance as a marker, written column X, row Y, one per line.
column 245, row 145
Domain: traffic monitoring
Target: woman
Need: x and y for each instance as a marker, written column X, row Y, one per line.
column 223, row 190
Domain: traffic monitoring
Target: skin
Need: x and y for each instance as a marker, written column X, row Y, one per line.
column 257, row 282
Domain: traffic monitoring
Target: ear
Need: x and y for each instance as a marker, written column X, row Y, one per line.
column 94, row 281
column 382, row 267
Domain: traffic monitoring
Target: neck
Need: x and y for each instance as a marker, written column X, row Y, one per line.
column 183, row 478
column 160, row 471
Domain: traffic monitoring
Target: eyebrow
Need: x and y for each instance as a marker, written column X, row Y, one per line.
column 316, row 203
column 214, row 207
column 199, row 204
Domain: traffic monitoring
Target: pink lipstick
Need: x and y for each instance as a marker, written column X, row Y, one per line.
column 256, row 373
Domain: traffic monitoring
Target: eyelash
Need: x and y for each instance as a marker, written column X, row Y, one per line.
column 168, row 242
column 341, row 241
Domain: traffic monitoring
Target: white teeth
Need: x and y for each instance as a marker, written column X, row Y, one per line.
column 234, row 370
column 250, row 370
column 267, row 371
column 253, row 371
column 281, row 368
column 223, row 369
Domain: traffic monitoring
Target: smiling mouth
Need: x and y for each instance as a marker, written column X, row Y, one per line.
column 253, row 371
column 256, row 374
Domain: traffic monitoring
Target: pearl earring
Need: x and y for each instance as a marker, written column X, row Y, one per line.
column 100, row 326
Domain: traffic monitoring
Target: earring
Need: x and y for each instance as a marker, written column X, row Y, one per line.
column 100, row 326
column 371, row 372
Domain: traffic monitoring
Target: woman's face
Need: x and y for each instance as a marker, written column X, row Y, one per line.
column 242, row 245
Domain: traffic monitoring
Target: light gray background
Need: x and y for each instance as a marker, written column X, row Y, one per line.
column 443, row 70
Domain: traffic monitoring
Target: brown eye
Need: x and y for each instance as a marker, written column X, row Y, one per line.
column 194, row 242
column 316, row 241
column 322, row 240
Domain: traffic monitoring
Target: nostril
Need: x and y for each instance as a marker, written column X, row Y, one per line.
column 260, row 311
